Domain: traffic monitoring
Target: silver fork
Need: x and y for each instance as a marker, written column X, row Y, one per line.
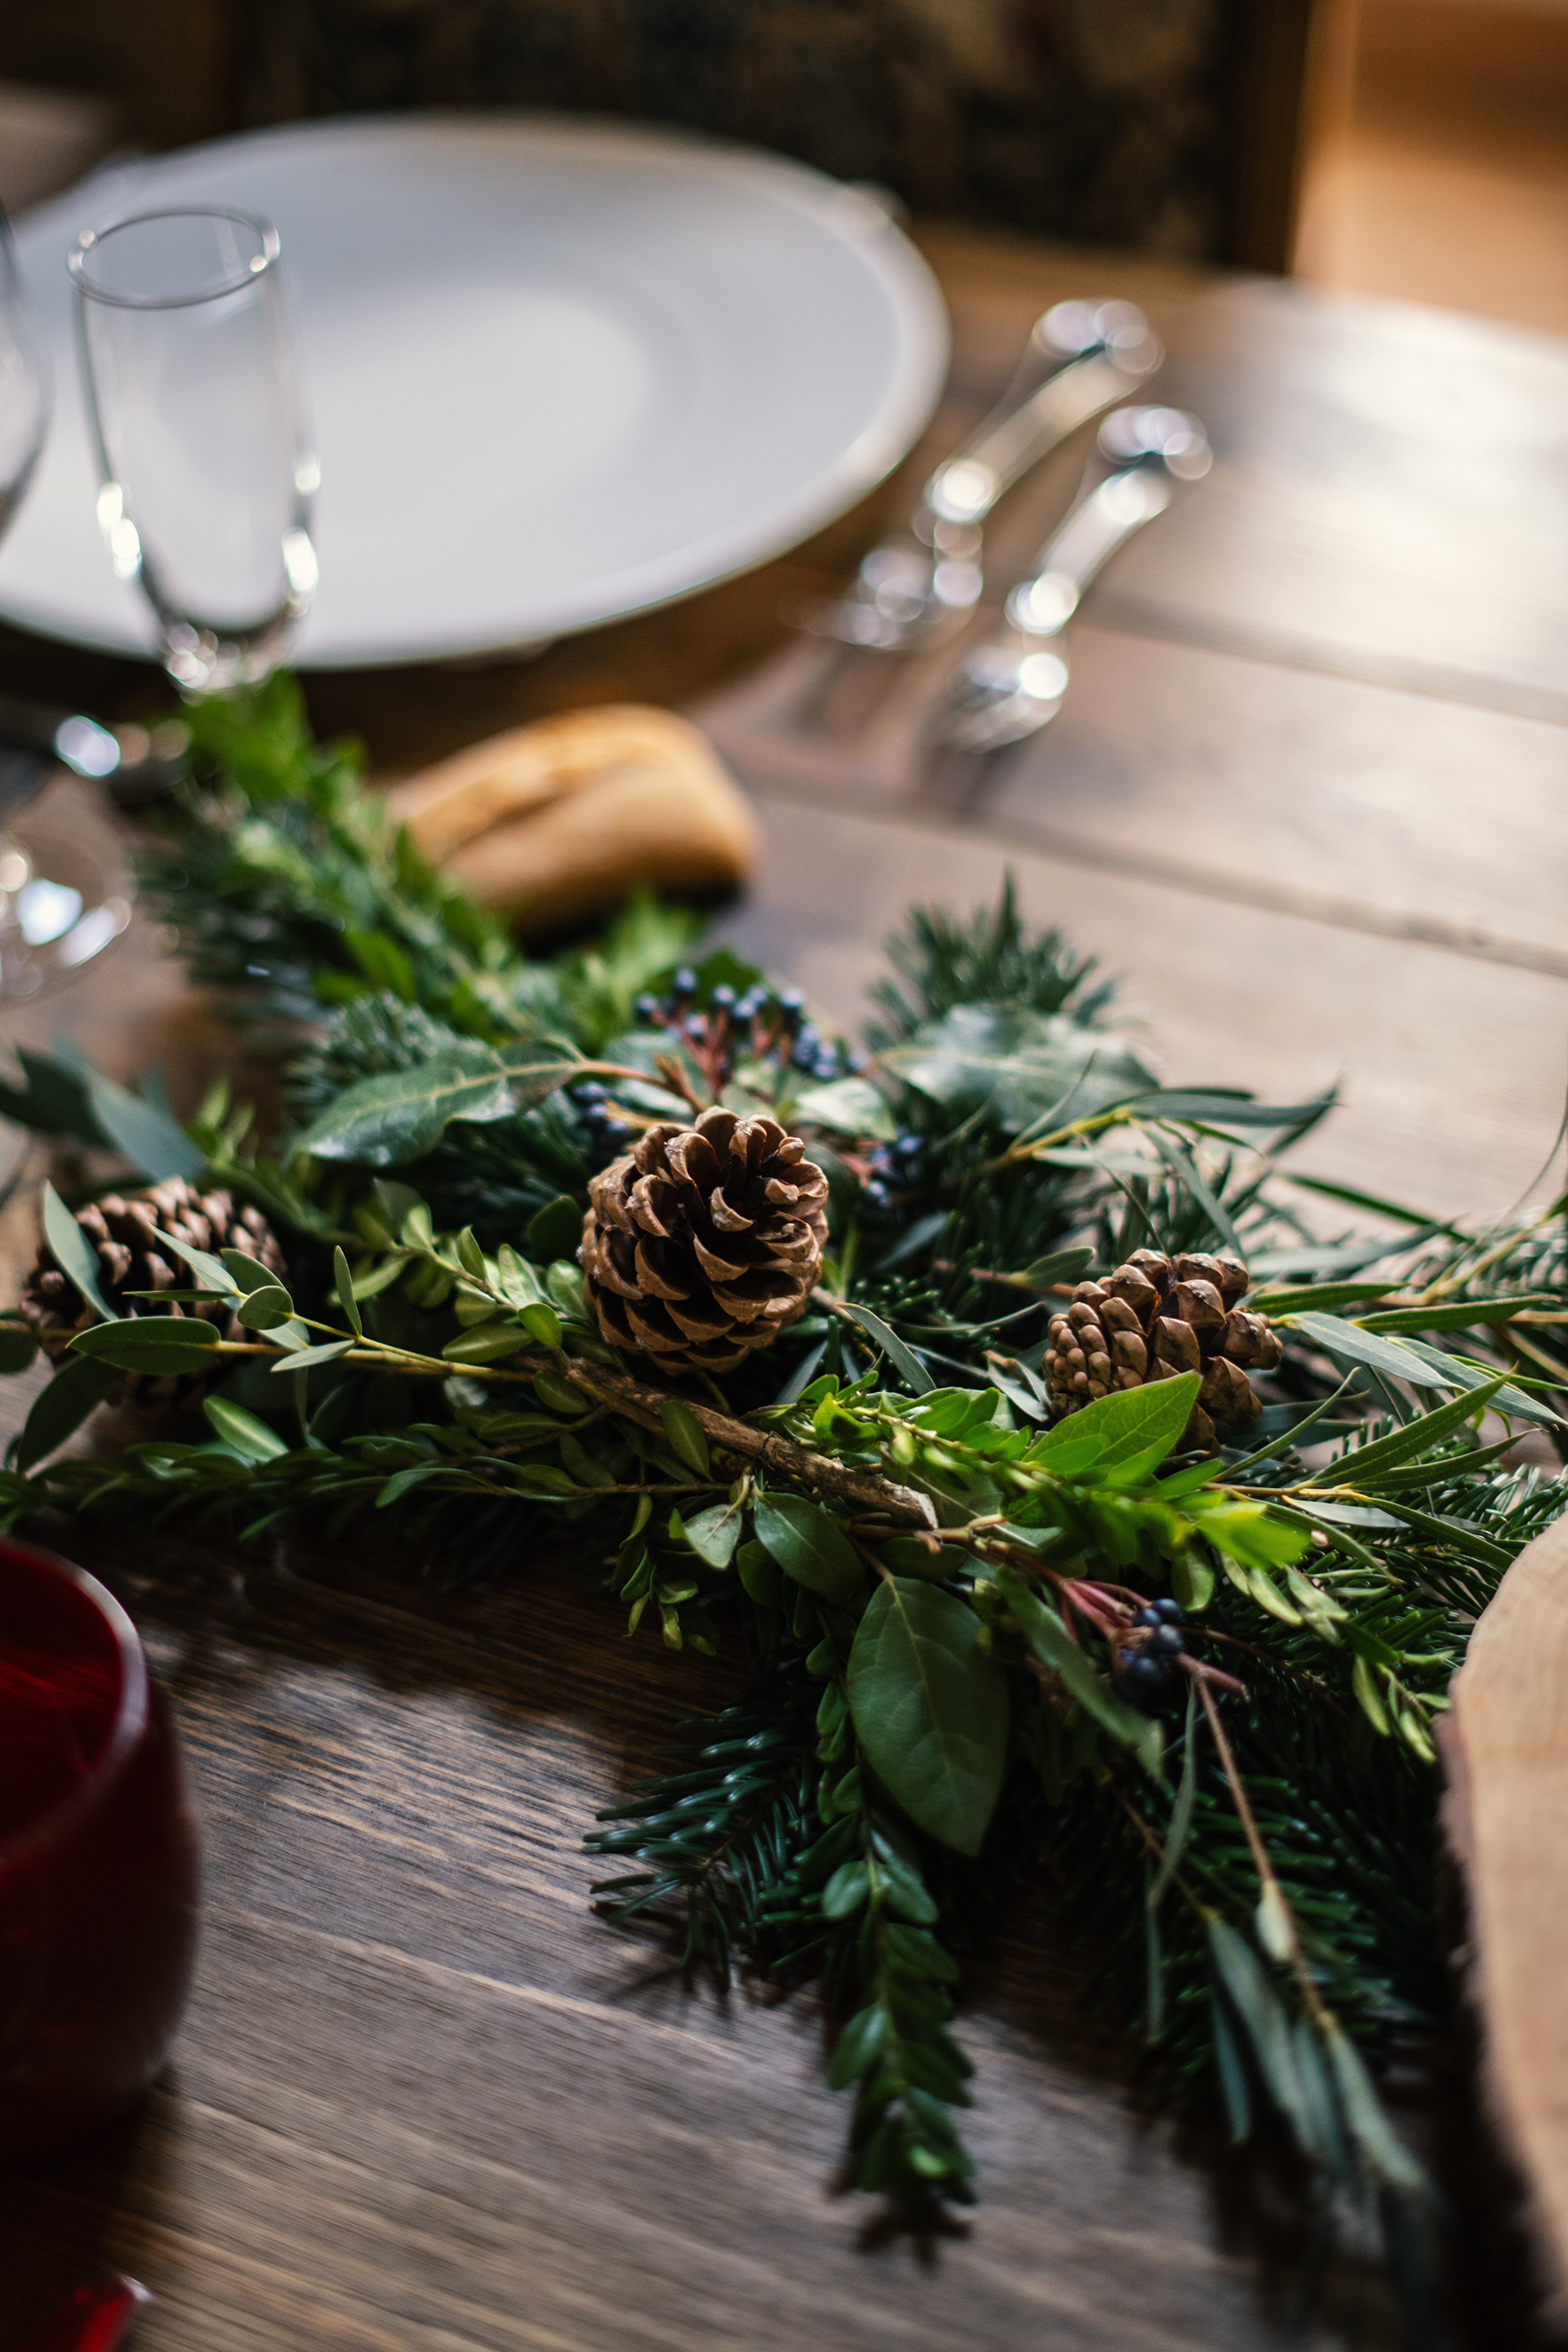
column 1013, row 684
column 919, row 586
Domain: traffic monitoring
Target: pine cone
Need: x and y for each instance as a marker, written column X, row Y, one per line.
column 124, row 1235
column 703, row 1241
column 1157, row 1317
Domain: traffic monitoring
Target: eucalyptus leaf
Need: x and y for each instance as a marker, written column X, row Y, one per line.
column 150, row 1343
column 930, row 1709
column 265, row 1308
column 58, row 1411
column 305, row 1359
column 249, row 1437
column 210, row 1272
column 73, row 1253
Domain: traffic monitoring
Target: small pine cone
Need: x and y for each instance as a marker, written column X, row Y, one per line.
column 125, row 1237
column 703, row 1241
column 1154, row 1319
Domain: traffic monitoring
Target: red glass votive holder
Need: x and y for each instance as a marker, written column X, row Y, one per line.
column 100, row 1866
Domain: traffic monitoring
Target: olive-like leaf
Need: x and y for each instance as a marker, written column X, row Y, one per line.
column 930, row 1709
column 902, row 1358
column 150, row 1343
column 73, row 1253
column 58, row 1411
column 249, row 1437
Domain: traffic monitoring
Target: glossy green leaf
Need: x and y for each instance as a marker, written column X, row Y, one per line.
column 685, row 1435
column 930, row 1709
column 851, row 1107
column 1121, row 1439
column 809, row 1545
column 556, row 1230
column 265, row 1308
column 401, row 1115
column 18, row 1347
column 1017, row 1064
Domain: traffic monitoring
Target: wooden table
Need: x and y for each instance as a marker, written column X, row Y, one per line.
column 1308, row 795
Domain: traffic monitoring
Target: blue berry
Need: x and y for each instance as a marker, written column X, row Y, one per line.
column 722, row 999
column 614, row 1131
column 908, row 1147
column 1143, row 1678
column 1148, row 1617
column 645, row 1006
column 591, row 1091
column 684, row 984
column 875, row 1194
column 1166, row 1642
column 825, row 1066
column 1169, row 1611
column 792, row 1004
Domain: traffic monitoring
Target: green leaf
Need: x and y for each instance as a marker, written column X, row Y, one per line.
column 1053, row 1646
column 852, row 1107
column 1458, row 1315
column 248, row 1436
column 542, row 1326
column 715, row 1533
column 904, row 1360
column 1259, row 2007
column 1353, row 1468
column 343, row 1284
column 73, row 1253
column 1017, row 1064
column 488, row 1343
column 930, row 1709
column 846, row 1890
column 304, row 1360
column 151, row 1343
column 1181, row 1822
column 18, row 1346
column 1369, row 2126
column 265, row 1308
column 210, row 1272
column 157, row 1144
column 687, row 1441
column 383, row 963
column 1120, row 1439
column 855, row 2054
column 58, row 1411
column 759, row 1576
column 1062, row 1265
column 401, row 1115
column 1326, row 1297
column 247, row 1273
column 518, row 1279
column 556, row 1230
column 809, row 1545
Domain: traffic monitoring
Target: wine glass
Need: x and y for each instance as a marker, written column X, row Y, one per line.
column 51, row 920
column 207, row 474
column 99, row 1860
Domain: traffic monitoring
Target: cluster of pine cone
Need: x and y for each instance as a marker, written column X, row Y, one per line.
column 125, row 1238
column 1157, row 1317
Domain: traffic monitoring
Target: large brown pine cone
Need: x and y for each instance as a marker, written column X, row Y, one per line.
column 703, row 1241
column 1155, row 1318
column 124, row 1236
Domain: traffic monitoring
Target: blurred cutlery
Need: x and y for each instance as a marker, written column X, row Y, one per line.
column 1013, row 683
column 914, row 588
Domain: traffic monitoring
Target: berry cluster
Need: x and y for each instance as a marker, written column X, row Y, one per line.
column 607, row 1136
column 764, row 1024
column 1146, row 1657
column 892, row 1169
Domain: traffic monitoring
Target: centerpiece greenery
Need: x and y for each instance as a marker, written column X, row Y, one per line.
column 1031, row 1576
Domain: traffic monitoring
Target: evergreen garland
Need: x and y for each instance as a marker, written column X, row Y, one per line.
column 1201, row 1690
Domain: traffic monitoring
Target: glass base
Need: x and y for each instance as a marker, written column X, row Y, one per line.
column 65, row 891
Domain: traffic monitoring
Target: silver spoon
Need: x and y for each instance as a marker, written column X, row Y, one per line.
column 915, row 588
column 1013, row 684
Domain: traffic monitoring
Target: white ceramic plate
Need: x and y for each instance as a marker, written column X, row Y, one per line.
column 559, row 371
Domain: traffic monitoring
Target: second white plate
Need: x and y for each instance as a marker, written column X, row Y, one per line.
column 559, row 373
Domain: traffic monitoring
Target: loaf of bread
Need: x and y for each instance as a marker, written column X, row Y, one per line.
column 555, row 823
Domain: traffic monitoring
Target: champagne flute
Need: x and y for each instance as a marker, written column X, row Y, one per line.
column 207, row 474
column 51, row 921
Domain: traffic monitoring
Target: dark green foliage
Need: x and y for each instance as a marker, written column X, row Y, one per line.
column 938, row 1703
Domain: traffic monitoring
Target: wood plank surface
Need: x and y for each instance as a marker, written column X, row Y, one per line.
column 423, row 2102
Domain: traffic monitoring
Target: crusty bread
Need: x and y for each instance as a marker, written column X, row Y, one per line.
column 552, row 823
